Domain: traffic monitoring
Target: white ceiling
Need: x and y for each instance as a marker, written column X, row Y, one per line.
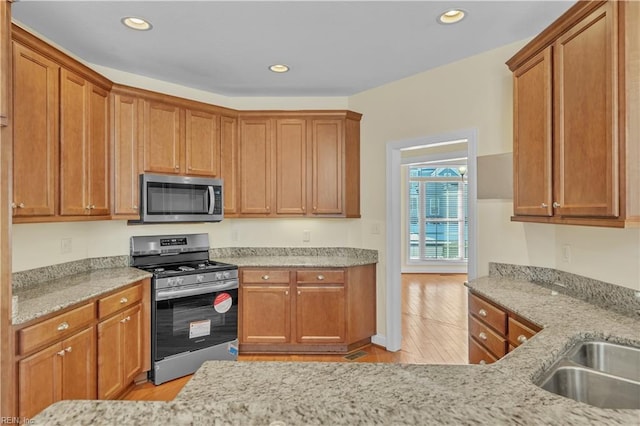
column 334, row 48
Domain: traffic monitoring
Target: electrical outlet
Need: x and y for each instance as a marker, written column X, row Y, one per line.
column 566, row 253
column 306, row 236
column 65, row 245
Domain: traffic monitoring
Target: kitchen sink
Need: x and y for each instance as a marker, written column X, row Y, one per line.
column 598, row 373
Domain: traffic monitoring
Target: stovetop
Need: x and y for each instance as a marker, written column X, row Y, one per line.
column 199, row 267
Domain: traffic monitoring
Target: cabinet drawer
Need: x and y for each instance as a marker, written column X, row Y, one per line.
column 519, row 332
column 120, row 300
column 478, row 354
column 320, row 276
column 488, row 313
column 55, row 328
column 267, row 276
column 487, row 337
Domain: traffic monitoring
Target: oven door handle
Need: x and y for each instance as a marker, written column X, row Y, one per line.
column 175, row 294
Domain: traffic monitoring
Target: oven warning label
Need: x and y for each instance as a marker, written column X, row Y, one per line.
column 199, row 328
column 222, row 303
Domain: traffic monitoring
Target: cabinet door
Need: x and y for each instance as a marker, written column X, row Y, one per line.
column 73, row 164
column 110, row 349
column 132, row 346
column 35, row 133
column 255, row 166
column 586, row 143
column 161, row 138
column 40, row 380
column 291, row 170
column 97, row 151
column 126, row 127
column 79, row 366
column 229, row 163
column 327, row 146
column 202, row 143
column 320, row 314
column 266, row 314
column 532, row 125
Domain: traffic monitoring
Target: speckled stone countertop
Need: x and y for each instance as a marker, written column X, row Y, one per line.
column 44, row 297
column 271, row 393
column 285, row 257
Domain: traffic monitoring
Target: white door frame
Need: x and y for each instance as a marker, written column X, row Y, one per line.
column 393, row 338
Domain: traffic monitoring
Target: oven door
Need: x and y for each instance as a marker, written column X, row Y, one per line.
column 188, row 319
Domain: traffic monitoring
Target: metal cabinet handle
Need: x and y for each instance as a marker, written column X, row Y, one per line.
column 556, row 205
column 482, row 336
column 522, row 338
column 13, row 205
column 93, row 206
column 123, row 320
column 304, row 209
column 88, row 207
column 177, row 167
column 63, row 326
column 68, row 349
column 60, row 353
column 482, row 362
column 21, row 205
column 265, row 277
column 134, row 206
column 482, row 313
column 124, row 300
column 320, row 277
column 286, row 292
column 299, row 292
column 544, row 205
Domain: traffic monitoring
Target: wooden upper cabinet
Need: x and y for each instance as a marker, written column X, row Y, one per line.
column 229, row 163
column 202, row 143
column 586, row 139
column 162, row 144
column 73, row 159
column 591, row 54
column 327, row 150
column 84, row 142
column 532, row 124
column 35, row 133
column 291, row 169
column 126, row 137
column 98, row 151
column 255, row 164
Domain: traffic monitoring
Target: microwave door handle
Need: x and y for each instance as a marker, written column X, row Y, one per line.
column 212, row 200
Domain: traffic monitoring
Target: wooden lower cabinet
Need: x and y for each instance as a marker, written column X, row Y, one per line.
column 119, row 351
column 65, row 370
column 306, row 310
column 494, row 331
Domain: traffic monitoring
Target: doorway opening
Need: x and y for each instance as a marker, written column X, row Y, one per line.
column 400, row 152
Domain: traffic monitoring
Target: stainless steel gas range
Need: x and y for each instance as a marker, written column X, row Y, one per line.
column 194, row 312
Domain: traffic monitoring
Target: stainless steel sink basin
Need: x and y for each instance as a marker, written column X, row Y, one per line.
column 619, row 360
column 594, row 388
column 602, row 374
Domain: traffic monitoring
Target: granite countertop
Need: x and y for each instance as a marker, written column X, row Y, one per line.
column 42, row 298
column 285, row 257
column 263, row 393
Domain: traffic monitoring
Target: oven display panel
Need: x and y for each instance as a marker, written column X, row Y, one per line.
column 165, row 242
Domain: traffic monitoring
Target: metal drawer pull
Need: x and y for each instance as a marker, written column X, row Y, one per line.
column 482, row 362
column 482, row 313
column 21, row 205
column 544, row 205
column 299, row 292
column 320, row 277
column 63, row 326
column 123, row 320
column 286, row 293
column 68, row 349
column 556, row 205
column 522, row 338
column 61, row 353
column 124, row 300
column 482, row 336
column 265, row 277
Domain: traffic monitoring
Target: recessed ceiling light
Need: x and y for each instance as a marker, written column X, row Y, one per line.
column 279, row 68
column 136, row 23
column 452, row 16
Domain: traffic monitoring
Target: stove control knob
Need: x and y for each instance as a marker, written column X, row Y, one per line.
column 226, row 274
column 171, row 282
column 218, row 275
column 179, row 281
column 199, row 278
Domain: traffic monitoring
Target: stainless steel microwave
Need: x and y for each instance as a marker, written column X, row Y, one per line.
column 167, row 198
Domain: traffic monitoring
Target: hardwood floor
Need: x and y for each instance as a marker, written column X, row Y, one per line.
column 434, row 331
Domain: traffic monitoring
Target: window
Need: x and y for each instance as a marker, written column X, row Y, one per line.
column 438, row 222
